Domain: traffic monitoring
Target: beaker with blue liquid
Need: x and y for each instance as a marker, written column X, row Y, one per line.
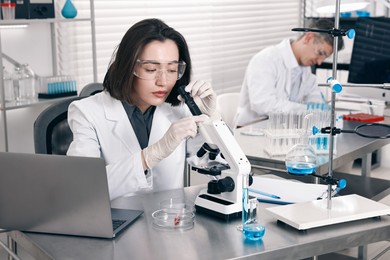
column 250, row 228
column 301, row 159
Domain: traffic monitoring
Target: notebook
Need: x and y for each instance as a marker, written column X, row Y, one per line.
column 58, row 194
column 287, row 191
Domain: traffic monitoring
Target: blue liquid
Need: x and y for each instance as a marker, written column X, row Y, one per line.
column 253, row 232
column 319, row 143
column 245, row 204
column 300, row 168
column 325, row 143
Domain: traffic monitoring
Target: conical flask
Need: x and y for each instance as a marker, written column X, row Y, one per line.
column 301, row 159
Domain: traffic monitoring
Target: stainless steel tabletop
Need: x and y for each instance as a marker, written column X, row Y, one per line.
column 348, row 147
column 210, row 238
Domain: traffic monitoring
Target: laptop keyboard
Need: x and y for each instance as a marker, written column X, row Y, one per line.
column 117, row 223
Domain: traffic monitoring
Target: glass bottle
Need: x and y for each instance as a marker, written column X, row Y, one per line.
column 8, row 86
column 16, row 78
column 24, row 83
column 28, row 82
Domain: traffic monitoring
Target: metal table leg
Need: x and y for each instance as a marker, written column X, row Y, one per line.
column 10, row 248
column 362, row 252
column 366, row 164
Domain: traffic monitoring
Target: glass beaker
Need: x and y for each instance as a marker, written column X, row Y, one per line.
column 251, row 229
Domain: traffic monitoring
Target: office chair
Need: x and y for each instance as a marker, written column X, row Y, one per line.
column 52, row 134
column 227, row 104
column 91, row 89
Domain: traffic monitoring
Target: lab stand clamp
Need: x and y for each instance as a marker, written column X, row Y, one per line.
column 301, row 160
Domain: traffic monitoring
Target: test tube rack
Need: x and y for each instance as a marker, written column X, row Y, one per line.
column 279, row 142
column 57, row 86
column 286, row 129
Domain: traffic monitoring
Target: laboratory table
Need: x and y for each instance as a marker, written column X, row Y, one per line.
column 348, row 147
column 210, row 238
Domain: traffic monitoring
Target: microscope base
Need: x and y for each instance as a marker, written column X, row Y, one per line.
column 217, row 206
column 312, row 214
column 216, row 214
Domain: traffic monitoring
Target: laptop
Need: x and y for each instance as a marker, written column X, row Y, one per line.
column 58, row 194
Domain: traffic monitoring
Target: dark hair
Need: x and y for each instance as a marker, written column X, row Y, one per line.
column 119, row 78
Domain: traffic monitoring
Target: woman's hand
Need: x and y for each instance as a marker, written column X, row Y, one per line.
column 203, row 95
column 182, row 129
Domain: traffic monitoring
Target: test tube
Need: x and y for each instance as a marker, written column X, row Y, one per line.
column 285, row 124
column 271, row 121
column 291, row 120
column 279, row 120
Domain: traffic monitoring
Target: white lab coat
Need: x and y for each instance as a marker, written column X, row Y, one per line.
column 101, row 128
column 267, row 85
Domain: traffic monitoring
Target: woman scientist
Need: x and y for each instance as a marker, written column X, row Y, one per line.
column 137, row 123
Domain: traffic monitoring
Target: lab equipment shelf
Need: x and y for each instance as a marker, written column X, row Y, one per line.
column 40, row 21
column 10, row 24
column 30, row 103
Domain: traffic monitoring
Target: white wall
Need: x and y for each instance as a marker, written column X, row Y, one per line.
column 30, row 45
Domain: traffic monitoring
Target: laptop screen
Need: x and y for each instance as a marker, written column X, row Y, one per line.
column 55, row 194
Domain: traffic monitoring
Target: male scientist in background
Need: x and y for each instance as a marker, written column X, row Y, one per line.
column 279, row 78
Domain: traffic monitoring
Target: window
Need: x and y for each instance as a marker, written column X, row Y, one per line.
column 222, row 34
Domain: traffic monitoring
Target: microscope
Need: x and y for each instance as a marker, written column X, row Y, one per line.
column 224, row 195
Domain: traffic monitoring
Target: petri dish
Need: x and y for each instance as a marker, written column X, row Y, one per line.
column 174, row 214
column 173, row 219
column 177, row 203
